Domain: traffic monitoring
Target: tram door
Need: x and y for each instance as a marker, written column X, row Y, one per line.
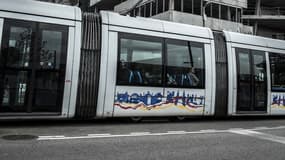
column 251, row 81
column 32, row 67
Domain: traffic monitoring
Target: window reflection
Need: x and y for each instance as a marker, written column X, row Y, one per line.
column 185, row 64
column 46, row 86
column 15, row 87
column 18, row 51
column 259, row 67
column 277, row 65
column 140, row 62
column 32, row 66
column 50, row 49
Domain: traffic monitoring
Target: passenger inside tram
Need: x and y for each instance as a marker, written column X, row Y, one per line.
column 191, row 77
column 129, row 74
column 185, row 78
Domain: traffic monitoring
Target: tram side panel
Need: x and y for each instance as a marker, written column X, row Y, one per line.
column 136, row 74
column 147, row 85
column 249, row 80
column 276, row 71
column 1, row 33
column 50, row 69
column 277, row 91
column 255, row 75
column 1, row 30
column 100, row 111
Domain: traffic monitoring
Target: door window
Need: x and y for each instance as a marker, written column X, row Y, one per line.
column 15, row 66
column 260, row 83
column 50, row 68
column 32, row 69
column 277, row 65
column 251, row 80
column 19, row 47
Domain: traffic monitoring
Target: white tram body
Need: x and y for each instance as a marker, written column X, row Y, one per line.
column 115, row 26
column 53, row 67
column 272, row 52
column 21, row 14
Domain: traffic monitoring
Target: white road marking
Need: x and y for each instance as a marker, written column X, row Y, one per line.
column 249, row 132
column 61, row 136
column 94, row 135
column 280, row 127
column 140, row 133
column 177, row 132
column 212, row 131
column 260, row 128
column 235, row 128
column 268, row 128
column 260, row 135
column 134, row 134
column 103, row 136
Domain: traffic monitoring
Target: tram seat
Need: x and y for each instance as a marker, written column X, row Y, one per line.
column 184, row 80
column 171, row 79
column 135, row 77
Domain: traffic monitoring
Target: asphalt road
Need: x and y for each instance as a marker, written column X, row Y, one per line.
column 199, row 139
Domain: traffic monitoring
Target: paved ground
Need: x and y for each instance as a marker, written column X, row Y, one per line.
column 238, row 138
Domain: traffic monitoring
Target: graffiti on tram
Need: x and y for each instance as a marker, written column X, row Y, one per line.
column 278, row 101
column 156, row 101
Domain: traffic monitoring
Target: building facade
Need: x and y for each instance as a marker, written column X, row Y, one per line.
column 267, row 17
column 216, row 14
column 259, row 17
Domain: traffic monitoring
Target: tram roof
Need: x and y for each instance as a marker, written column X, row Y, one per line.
column 247, row 39
column 38, row 8
column 150, row 24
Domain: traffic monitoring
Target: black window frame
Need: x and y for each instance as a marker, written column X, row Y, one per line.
column 163, row 42
column 274, row 89
column 130, row 36
column 34, row 68
column 189, row 45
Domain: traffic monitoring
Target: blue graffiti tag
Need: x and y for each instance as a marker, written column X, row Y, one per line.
column 152, row 99
column 136, row 98
column 278, row 100
column 184, row 99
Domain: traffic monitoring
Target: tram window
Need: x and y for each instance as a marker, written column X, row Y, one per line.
column 53, row 44
column 244, row 62
column 19, row 47
column 32, row 66
column 15, row 88
column 47, row 86
column 277, row 65
column 52, row 62
column 185, row 64
column 140, row 61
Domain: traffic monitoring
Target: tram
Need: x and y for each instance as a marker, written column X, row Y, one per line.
column 58, row 63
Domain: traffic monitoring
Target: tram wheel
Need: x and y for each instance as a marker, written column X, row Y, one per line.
column 180, row 118
column 177, row 118
column 136, row 119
